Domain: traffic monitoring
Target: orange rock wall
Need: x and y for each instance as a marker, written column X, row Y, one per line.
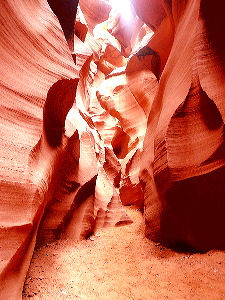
column 98, row 114
column 34, row 55
column 183, row 155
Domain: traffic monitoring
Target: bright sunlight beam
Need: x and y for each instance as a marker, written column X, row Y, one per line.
column 124, row 7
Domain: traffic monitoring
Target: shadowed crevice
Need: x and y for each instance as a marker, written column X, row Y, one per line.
column 66, row 11
column 60, row 99
column 86, row 191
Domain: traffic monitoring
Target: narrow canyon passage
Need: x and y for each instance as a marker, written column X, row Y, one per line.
column 105, row 106
column 120, row 263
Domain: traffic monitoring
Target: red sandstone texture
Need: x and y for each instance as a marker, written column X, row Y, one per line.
column 96, row 113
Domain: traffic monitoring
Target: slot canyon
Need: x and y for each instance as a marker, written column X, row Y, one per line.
column 112, row 157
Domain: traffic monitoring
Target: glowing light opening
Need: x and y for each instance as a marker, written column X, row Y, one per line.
column 124, row 7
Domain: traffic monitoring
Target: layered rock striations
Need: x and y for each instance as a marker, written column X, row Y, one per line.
column 34, row 55
column 183, row 154
column 98, row 113
column 54, row 169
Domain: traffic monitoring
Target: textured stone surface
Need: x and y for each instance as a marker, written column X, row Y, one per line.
column 51, row 163
column 183, row 154
column 96, row 113
column 32, row 61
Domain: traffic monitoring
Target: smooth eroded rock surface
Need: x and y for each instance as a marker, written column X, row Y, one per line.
column 97, row 113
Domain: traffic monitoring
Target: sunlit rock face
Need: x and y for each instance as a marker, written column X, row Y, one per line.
column 34, row 55
column 57, row 179
column 182, row 170
column 101, row 109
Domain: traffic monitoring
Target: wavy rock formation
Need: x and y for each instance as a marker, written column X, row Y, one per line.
column 183, row 156
column 34, row 55
column 52, row 171
column 97, row 112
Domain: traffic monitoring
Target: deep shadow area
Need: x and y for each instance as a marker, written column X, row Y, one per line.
column 194, row 213
column 66, row 11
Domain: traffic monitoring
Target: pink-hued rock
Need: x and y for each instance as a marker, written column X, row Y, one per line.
column 95, row 12
column 97, row 112
column 183, row 156
column 34, row 55
column 80, row 27
column 131, row 192
column 49, row 162
column 110, row 55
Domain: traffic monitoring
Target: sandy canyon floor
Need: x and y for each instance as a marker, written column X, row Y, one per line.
column 120, row 263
